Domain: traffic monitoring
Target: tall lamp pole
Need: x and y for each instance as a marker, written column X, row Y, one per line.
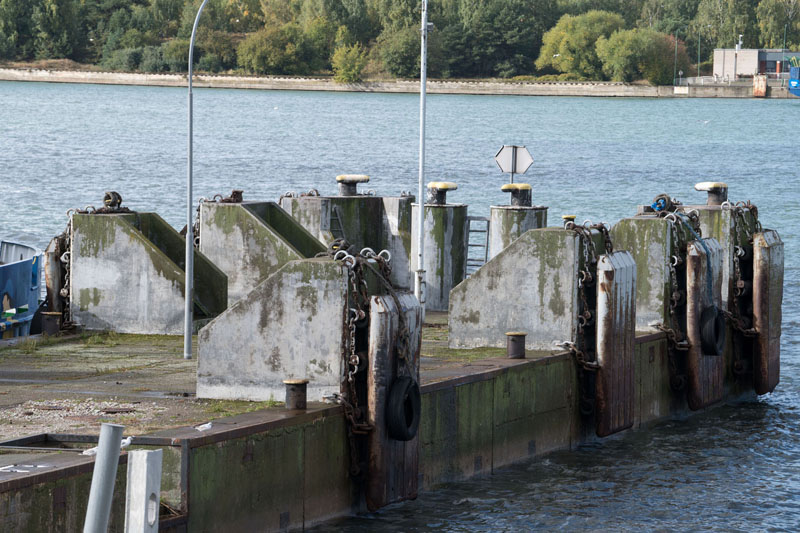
column 419, row 281
column 675, row 63
column 189, row 283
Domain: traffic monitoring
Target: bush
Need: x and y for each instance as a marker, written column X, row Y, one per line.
column 210, row 63
column 399, row 51
column 176, row 55
column 153, row 60
column 218, row 44
column 126, row 59
column 270, row 51
column 348, row 63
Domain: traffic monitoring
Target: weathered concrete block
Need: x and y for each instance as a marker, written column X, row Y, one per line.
column 530, row 286
column 507, row 223
column 649, row 241
column 365, row 221
column 445, row 252
column 397, row 238
column 249, row 241
column 126, row 275
column 289, row 326
column 730, row 229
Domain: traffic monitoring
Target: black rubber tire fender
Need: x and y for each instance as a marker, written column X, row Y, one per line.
column 403, row 409
column 712, row 331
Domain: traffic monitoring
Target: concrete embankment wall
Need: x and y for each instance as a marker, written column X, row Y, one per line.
column 276, row 469
column 520, row 88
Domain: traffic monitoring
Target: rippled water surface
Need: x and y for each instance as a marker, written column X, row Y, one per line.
column 734, row 468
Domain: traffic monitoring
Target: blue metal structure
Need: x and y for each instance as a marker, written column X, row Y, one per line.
column 794, row 81
column 20, row 279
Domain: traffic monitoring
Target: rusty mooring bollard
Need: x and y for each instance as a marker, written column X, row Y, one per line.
column 515, row 344
column 295, row 393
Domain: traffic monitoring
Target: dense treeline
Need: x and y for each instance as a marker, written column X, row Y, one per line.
column 571, row 39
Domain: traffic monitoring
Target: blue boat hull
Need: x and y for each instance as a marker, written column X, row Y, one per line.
column 794, row 81
column 19, row 287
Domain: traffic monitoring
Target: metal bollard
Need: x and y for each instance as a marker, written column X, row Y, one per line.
column 296, row 393
column 348, row 183
column 520, row 194
column 437, row 192
column 515, row 344
column 717, row 191
column 143, row 494
column 103, row 477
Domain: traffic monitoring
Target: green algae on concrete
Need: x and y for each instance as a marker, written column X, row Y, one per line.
column 251, row 483
column 110, row 252
column 530, row 286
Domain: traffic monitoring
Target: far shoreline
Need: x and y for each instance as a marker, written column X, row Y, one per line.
column 477, row 87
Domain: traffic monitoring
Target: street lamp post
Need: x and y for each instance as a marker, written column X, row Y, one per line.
column 675, row 63
column 189, row 283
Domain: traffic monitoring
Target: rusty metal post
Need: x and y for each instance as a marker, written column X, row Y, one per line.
column 296, row 393
column 515, row 344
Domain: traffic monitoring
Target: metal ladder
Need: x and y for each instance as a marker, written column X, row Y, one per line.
column 478, row 259
column 337, row 218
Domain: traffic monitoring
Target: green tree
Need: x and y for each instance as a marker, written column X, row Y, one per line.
column 56, row 28
column 348, row 62
column 667, row 16
column 271, row 51
column 776, row 16
column 720, row 22
column 630, row 55
column 569, row 46
column 398, row 49
column 15, row 29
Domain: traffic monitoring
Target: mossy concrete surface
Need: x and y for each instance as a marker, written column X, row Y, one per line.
column 530, row 286
column 507, row 223
column 445, row 251
column 289, row 327
column 649, row 241
column 377, row 222
column 243, row 242
column 126, row 275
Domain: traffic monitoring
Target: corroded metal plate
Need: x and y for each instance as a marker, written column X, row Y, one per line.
column 767, row 301
column 616, row 325
column 705, row 373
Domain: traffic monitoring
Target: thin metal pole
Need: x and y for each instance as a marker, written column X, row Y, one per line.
column 105, row 473
column 189, row 284
column 423, row 78
column 675, row 64
column 698, row 53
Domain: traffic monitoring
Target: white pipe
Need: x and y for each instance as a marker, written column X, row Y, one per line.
column 189, row 284
column 419, row 281
column 105, row 474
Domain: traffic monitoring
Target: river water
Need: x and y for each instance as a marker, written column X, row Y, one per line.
column 735, row 468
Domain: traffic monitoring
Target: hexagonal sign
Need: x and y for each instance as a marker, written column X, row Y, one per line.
column 513, row 159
